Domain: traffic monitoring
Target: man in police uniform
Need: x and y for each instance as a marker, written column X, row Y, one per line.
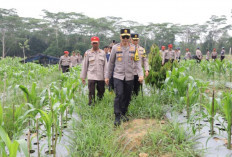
column 199, row 55
column 123, row 62
column 223, row 53
column 187, row 54
column 74, row 59
column 140, row 51
column 168, row 55
column 162, row 51
column 94, row 66
column 65, row 62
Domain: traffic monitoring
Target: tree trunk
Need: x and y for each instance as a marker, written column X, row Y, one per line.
column 3, row 44
column 24, row 54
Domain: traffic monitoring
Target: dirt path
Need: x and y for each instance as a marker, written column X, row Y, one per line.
column 135, row 131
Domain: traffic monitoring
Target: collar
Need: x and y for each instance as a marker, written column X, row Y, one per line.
column 95, row 51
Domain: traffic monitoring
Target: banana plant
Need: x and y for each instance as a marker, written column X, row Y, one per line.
column 227, row 110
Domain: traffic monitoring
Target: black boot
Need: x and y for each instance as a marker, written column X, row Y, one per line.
column 117, row 121
column 124, row 118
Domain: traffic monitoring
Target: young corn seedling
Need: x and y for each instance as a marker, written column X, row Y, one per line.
column 227, row 109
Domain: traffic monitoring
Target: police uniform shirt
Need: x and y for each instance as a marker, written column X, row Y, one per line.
column 122, row 60
column 94, row 65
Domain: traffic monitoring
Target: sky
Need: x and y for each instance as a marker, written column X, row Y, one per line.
column 143, row 11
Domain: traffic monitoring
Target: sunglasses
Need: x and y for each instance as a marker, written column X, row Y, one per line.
column 135, row 40
column 95, row 43
column 126, row 37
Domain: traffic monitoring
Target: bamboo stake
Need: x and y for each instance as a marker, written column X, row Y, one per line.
column 37, row 131
column 212, row 116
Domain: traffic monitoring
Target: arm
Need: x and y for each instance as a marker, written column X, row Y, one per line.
column 84, row 68
column 163, row 58
column 60, row 62
column 110, row 65
column 145, row 62
column 140, row 70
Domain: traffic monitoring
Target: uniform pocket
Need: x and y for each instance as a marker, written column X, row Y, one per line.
column 101, row 60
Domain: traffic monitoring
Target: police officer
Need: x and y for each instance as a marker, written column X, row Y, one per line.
column 222, row 53
column 162, row 51
column 178, row 54
column 207, row 55
column 214, row 54
column 123, row 62
column 188, row 54
column 74, row 59
column 198, row 55
column 65, row 62
column 94, row 66
column 166, row 57
column 143, row 59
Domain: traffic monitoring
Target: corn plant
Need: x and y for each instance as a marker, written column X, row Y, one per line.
column 227, row 110
column 211, row 107
column 6, row 142
column 191, row 97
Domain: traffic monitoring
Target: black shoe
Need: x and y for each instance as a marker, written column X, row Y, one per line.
column 117, row 121
column 124, row 118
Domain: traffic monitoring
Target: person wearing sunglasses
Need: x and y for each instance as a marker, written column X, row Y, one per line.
column 123, row 63
column 144, row 62
column 94, row 66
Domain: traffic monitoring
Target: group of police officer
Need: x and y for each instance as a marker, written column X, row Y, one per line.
column 67, row 61
column 121, row 67
column 171, row 55
column 123, row 64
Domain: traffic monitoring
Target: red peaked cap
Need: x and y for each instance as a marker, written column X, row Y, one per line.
column 163, row 47
column 95, row 39
column 214, row 49
column 170, row 45
column 66, row 52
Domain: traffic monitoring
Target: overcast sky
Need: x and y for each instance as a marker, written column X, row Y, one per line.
column 142, row 11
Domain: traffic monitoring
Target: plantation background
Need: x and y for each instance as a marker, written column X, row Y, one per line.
column 56, row 32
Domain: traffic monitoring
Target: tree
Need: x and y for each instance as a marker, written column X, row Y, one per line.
column 24, row 46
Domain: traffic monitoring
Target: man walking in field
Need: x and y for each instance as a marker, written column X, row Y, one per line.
column 74, row 59
column 94, row 66
column 144, row 62
column 223, row 54
column 188, row 54
column 198, row 55
column 123, row 62
column 65, row 62
column 214, row 54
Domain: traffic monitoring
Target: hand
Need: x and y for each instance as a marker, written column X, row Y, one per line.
column 107, row 81
column 146, row 73
column 83, row 81
column 141, row 79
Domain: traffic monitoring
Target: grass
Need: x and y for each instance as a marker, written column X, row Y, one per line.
column 96, row 136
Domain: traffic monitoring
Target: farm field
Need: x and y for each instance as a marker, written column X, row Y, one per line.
column 45, row 113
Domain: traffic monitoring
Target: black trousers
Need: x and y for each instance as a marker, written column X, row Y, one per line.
column 111, row 84
column 166, row 60
column 222, row 57
column 65, row 69
column 100, row 90
column 137, row 84
column 214, row 57
column 198, row 60
column 123, row 90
